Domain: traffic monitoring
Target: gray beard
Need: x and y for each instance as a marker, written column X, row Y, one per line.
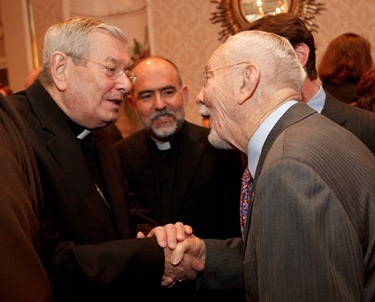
column 164, row 135
column 217, row 142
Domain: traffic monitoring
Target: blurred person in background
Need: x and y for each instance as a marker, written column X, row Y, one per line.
column 365, row 91
column 345, row 60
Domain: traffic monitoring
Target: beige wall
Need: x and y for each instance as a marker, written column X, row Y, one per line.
column 181, row 30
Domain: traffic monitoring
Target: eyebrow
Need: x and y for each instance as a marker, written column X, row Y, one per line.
column 158, row 89
column 111, row 59
column 167, row 87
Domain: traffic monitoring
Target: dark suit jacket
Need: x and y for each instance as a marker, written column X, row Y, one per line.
column 206, row 193
column 23, row 276
column 88, row 250
column 207, row 186
column 358, row 121
column 110, row 133
column 344, row 92
column 311, row 229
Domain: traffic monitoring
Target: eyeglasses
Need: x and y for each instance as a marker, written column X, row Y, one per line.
column 113, row 72
column 210, row 73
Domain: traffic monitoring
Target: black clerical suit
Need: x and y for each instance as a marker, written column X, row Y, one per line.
column 87, row 247
column 191, row 182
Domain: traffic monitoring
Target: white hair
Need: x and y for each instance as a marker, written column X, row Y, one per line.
column 274, row 54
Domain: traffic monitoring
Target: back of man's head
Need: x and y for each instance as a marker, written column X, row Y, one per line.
column 294, row 29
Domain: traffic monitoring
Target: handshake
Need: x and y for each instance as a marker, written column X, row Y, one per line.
column 184, row 253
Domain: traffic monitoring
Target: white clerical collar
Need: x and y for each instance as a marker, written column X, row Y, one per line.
column 83, row 134
column 163, row 146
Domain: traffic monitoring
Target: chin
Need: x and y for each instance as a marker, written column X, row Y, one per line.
column 164, row 132
column 113, row 116
column 106, row 121
column 217, row 142
column 163, row 135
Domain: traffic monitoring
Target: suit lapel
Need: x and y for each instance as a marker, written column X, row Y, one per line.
column 188, row 161
column 67, row 153
column 115, row 189
column 139, row 156
column 294, row 114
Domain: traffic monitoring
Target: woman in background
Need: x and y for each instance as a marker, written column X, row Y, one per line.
column 345, row 60
column 365, row 91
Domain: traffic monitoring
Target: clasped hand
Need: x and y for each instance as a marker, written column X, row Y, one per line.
column 184, row 253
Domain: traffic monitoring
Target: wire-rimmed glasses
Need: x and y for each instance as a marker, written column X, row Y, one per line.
column 112, row 70
column 210, row 73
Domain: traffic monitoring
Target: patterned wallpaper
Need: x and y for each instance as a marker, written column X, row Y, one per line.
column 181, row 30
column 343, row 16
column 183, row 33
column 44, row 16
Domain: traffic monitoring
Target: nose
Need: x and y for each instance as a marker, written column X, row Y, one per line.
column 158, row 101
column 199, row 98
column 123, row 83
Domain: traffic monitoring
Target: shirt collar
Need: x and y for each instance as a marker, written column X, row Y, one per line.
column 255, row 145
column 318, row 100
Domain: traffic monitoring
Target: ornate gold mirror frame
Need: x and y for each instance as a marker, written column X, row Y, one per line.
column 232, row 16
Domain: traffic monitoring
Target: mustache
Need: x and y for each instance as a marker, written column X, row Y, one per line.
column 161, row 113
column 204, row 111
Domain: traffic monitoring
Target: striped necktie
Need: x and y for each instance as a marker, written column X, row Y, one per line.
column 246, row 186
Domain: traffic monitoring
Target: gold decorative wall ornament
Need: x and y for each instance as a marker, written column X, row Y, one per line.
column 235, row 14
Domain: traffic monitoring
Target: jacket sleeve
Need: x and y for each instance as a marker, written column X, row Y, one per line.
column 223, row 267
column 127, row 264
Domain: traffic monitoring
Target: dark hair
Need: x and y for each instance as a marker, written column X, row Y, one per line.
column 294, row 29
column 347, row 57
column 365, row 91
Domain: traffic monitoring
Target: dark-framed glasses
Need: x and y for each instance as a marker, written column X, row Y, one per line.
column 210, row 73
column 112, row 70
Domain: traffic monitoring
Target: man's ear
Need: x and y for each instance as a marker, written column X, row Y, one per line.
column 185, row 94
column 302, row 51
column 251, row 79
column 58, row 65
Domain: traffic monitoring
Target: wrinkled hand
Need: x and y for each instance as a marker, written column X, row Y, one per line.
column 176, row 273
column 184, row 261
column 178, row 265
column 170, row 234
